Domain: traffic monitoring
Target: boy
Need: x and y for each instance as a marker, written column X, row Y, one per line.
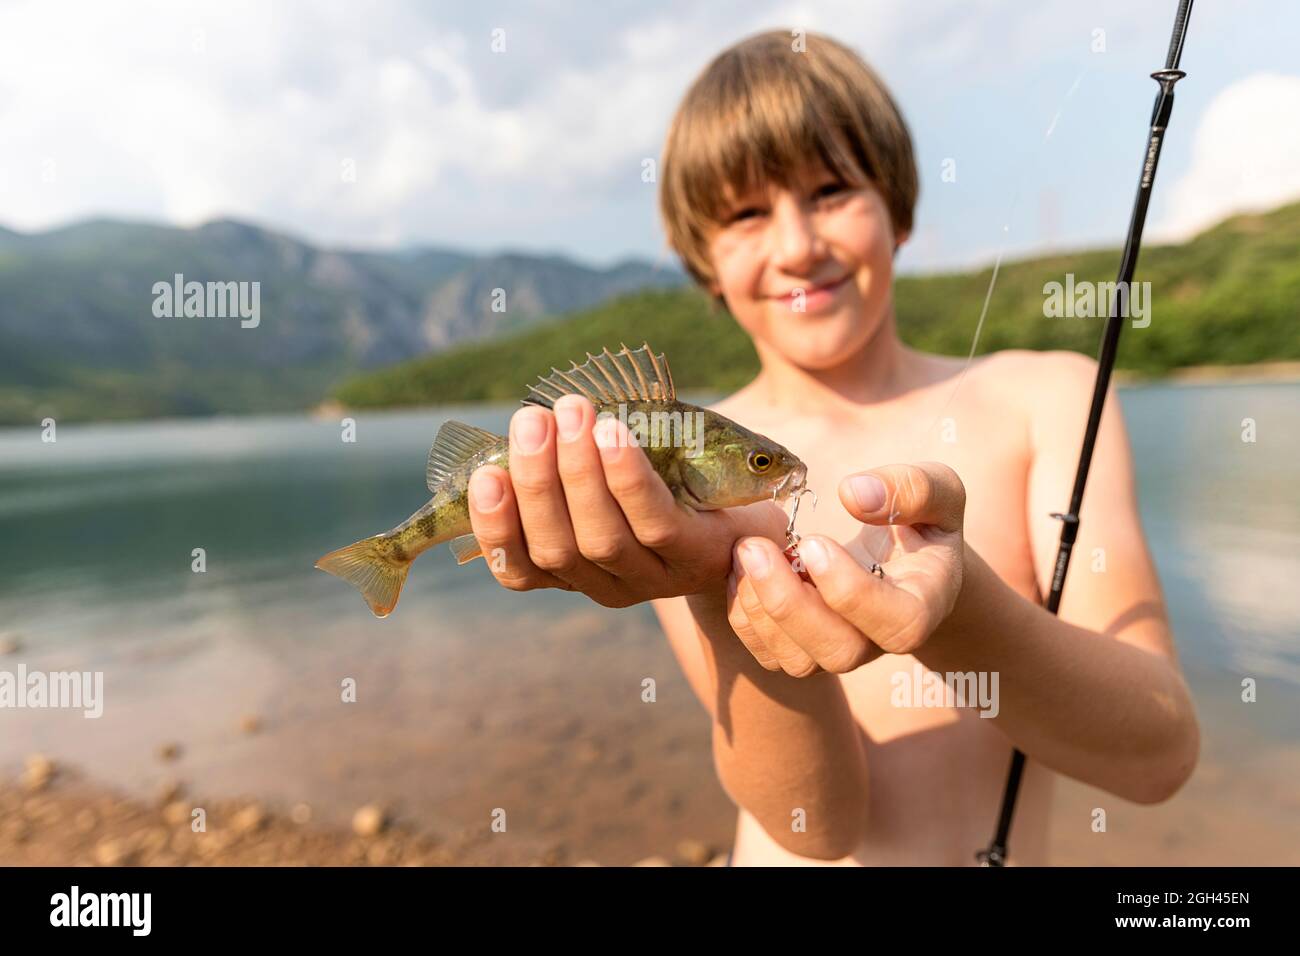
column 789, row 184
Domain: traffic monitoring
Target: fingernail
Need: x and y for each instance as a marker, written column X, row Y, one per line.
column 815, row 556
column 606, row 433
column 527, row 431
column 486, row 489
column 754, row 560
column 568, row 419
column 868, row 491
column 737, row 569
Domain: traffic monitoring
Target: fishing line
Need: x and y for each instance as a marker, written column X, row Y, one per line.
column 925, row 436
column 995, row 854
column 792, row 536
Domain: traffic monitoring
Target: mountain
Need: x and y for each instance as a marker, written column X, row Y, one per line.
column 79, row 337
column 1229, row 296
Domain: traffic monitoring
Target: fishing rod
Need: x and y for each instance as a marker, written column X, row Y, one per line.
column 996, row 852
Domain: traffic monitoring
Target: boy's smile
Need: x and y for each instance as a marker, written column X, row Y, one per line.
column 814, row 298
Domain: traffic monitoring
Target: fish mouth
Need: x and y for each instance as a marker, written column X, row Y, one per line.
column 794, row 483
column 794, row 486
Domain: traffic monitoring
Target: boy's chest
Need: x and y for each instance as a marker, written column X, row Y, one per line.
column 993, row 465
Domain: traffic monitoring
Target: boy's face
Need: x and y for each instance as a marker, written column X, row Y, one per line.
column 807, row 270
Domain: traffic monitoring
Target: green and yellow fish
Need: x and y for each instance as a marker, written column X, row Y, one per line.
column 707, row 461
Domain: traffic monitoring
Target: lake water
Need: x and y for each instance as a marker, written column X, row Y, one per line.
column 471, row 697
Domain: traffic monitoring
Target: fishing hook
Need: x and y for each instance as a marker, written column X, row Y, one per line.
column 792, row 537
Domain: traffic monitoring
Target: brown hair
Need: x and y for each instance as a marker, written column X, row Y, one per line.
column 762, row 109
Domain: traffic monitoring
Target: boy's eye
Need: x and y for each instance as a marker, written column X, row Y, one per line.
column 826, row 191
column 748, row 212
column 829, row 189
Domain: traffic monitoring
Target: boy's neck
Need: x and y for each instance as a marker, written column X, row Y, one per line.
column 881, row 370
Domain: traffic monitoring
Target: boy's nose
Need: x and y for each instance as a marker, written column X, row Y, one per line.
column 796, row 244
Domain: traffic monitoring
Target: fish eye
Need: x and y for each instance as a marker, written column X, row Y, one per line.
column 759, row 461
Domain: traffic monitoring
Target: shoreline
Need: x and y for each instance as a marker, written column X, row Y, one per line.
column 54, row 816
column 60, row 816
column 330, row 410
column 1256, row 373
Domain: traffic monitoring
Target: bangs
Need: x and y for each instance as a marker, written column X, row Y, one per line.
column 761, row 136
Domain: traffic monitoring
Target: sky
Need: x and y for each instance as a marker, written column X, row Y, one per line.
column 525, row 126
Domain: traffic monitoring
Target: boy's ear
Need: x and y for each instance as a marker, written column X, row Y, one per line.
column 900, row 239
column 716, row 296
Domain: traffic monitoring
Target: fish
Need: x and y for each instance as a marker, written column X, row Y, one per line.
column 707, row 461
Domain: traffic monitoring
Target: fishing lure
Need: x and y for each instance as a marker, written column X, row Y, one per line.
column 792, row 539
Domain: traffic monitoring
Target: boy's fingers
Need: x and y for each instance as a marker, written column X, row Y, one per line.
column 601, row 531
column 875, row 607
column 927, row 493
column 543, row 510
column 799, row 610
column 494, row 516
column 744, row 629
column 644, row 499
column 793, row 658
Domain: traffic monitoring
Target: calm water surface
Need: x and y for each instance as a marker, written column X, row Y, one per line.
column 465, row 684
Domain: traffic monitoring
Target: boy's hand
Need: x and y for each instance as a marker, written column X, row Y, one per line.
column 587, row 512
column 848, row 616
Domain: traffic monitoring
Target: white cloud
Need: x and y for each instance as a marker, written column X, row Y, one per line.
column 187, row 113
column 155, row 110
column 183, row 112
column 1245, row 156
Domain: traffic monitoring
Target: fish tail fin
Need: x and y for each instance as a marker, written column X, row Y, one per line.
column 368, row 565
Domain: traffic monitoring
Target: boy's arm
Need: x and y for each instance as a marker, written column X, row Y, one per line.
column 780, row 744
column 1095, row 693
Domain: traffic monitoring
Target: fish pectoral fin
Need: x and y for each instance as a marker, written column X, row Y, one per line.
column 688, row 501
column 465, row 548
column 455, row 444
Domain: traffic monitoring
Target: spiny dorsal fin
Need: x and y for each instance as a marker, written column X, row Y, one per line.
column 627, row 376
column 456, row 444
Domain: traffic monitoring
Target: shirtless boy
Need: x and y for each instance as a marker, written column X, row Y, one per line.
column 788, row 185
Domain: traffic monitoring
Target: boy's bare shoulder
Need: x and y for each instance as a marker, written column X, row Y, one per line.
column 1039, row 382
column 1042, row 362
column 734, row 405
column 1037, row 385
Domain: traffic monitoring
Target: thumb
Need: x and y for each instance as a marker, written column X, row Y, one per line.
column 926, row 493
